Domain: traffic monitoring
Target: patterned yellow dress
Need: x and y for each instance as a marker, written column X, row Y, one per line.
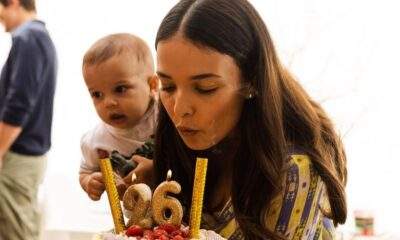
column 297, row 213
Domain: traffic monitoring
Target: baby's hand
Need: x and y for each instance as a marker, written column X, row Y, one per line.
column 143, row 171
column 94, row 186
column 121, row 185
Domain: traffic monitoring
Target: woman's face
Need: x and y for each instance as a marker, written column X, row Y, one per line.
column 200, row 89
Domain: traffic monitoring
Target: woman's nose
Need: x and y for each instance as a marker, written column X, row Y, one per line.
column 183, row 106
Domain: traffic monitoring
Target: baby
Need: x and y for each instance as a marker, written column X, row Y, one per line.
column 119, row 74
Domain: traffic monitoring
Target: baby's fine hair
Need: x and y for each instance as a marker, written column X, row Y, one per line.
column 120, row 44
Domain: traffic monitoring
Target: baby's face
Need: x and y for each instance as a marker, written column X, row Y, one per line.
column 120, row 94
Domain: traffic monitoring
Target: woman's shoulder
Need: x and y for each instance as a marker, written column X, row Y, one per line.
column 298, row 209
column 298, row 161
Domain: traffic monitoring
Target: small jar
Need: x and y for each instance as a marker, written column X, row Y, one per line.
column 364, row 221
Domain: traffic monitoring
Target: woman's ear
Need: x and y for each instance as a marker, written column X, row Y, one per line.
column 248, row 92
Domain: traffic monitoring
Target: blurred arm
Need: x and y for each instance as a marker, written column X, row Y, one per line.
column 8, row 134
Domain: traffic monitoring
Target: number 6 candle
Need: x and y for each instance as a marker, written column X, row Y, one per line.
column 167, row 209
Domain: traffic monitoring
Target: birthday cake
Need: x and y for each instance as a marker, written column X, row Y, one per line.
column 135, row 232
column 161, row 232
column 157, row 215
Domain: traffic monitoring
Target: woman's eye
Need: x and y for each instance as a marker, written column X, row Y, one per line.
column 206, row 90
column 96, row 95
column 121, row 89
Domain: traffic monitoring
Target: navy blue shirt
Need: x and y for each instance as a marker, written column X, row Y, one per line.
column 27, row 85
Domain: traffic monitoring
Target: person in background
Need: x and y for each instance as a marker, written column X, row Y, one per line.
column 27, row 86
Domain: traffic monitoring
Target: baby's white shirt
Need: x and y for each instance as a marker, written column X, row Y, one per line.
column 108, row 138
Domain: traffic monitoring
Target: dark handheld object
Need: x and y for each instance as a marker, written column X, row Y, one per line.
column 123, row 165
column 146, row 150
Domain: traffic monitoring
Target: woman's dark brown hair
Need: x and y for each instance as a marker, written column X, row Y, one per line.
column 280, row 115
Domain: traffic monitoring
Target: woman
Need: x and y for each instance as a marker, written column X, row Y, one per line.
column 276, row 166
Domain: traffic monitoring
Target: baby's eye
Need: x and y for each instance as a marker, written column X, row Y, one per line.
column 96, row 94
column 121, row 89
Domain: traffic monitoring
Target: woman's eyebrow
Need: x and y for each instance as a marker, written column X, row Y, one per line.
column 163, row 75
column 194, row 77
column 204, row 75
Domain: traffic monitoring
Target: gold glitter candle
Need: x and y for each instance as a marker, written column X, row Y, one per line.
column 197, row 197
column 112, row 193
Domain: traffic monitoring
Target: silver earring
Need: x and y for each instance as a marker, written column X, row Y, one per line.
column 250, row 96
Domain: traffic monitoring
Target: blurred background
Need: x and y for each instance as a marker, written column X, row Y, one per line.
column 344, row 52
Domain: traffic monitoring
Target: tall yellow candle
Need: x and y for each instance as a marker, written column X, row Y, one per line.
column 112, row 193
column 197, row 197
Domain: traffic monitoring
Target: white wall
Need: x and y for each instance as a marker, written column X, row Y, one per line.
column 344, row 52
